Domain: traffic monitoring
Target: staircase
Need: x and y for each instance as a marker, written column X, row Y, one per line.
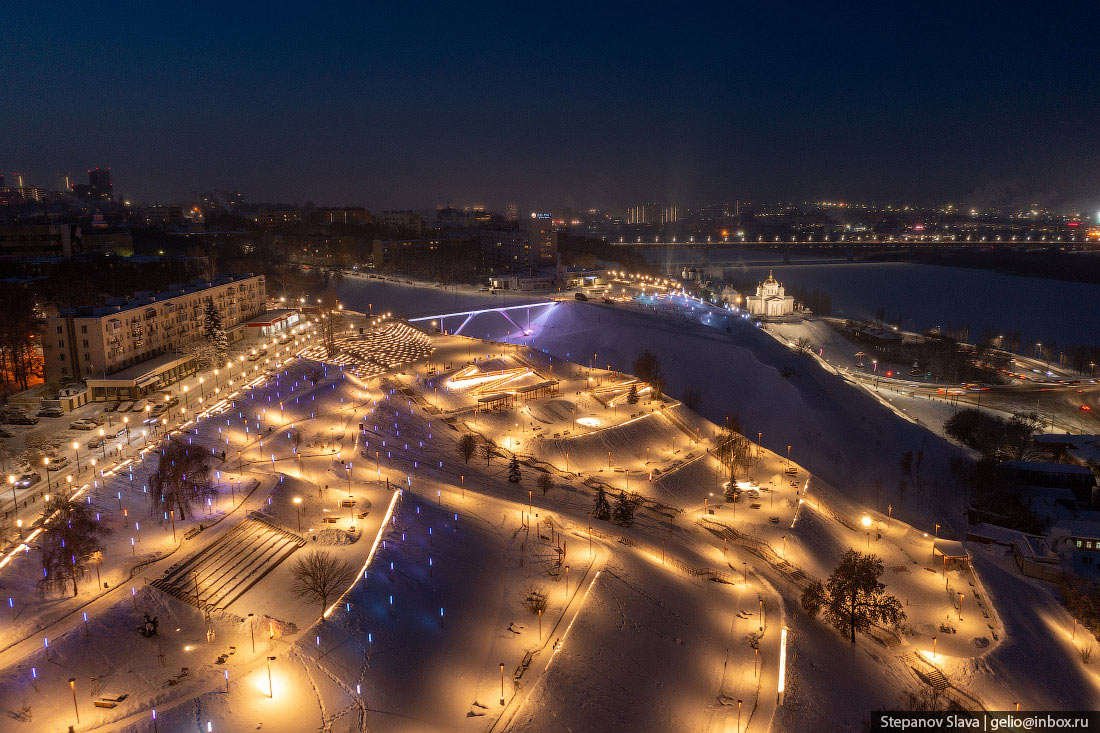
column 224, row 570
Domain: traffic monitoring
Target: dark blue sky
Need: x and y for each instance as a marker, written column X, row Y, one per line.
column 404, row 104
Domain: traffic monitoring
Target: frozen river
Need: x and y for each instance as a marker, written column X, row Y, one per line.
column 924, row 295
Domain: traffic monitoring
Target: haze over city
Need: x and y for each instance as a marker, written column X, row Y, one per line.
column 578, row 105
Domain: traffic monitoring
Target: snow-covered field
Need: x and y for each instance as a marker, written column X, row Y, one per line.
column 655, row 626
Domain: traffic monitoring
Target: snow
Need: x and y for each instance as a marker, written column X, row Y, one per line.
column 653, row 630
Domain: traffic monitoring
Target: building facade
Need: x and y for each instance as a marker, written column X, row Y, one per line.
column 29, row 241
column 126, row 335
column 770, row 301
column 523, row 250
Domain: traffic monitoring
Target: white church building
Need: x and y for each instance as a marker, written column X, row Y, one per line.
column 770, row 300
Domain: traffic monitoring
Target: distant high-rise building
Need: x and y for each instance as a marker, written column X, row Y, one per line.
column 511, row 212
column 64, row 183
column 521, row 251
column 670, row 215
column 644, row 214
column 99, row 183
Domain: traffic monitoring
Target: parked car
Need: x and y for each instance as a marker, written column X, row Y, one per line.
column 56, row 464
column 18, row 418
column 6, row 433
column 95, row 442
column 51, row 412
column 159, row 409
column 82, row 424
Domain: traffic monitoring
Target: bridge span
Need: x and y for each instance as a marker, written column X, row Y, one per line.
column 439, row 320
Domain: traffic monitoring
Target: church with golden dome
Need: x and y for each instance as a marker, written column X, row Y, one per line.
column 770, row 301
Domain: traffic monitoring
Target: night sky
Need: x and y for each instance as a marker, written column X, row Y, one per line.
column 559, row 104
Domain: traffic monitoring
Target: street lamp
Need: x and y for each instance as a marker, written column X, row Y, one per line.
column 72, row 686
column 270, row 687
column 76, row 452
column 298, row 508
column 46, row 463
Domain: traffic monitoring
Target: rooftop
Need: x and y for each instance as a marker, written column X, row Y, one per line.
column 145, row 298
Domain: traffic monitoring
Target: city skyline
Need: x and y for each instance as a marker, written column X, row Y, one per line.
column 606, row 108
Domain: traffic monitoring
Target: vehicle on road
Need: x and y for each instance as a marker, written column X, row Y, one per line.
column 51, row 412
column 83, row 424
column 28, row 479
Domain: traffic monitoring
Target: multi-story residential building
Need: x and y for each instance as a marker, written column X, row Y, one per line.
column 523, row 250
column 22, row 241
column 272, row 218
column 128, row 348
column 349, row 215
column 407, row 220
column 385, row 251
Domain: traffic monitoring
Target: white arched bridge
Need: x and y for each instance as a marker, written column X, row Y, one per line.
column 506, row 312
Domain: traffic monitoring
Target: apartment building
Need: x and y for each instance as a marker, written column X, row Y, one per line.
column 127, row 348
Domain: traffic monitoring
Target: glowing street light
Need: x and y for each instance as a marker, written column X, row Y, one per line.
column 270, row 687
column 72, row 686
column 298, row 508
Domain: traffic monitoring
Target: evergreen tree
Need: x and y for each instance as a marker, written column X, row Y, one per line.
column 632, row 395
column 602, row 509
column 623, row 513
column 213, row 332
column 513, row 470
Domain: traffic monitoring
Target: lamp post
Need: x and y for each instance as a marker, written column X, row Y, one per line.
column 252, row 632
column 72, row 686
column 103, row 443
column 270, row 687
column 14, row 501
column 298, row 509
column 866, row 522
column 76, row 453
column 46, row 463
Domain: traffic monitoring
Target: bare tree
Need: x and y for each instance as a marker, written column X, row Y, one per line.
column 70, row 541
column 36, row 447
column 489, row 452
column 182, row 478
column 853, row 598
column 467, row 446
column 320, row 575
column 545, row 483
column 332, row 321
column 734, row 451
column 535, row 599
